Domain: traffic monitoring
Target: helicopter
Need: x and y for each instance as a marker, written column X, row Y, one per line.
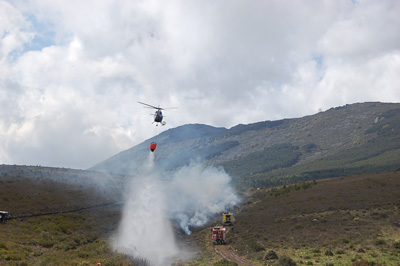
column 158, row 115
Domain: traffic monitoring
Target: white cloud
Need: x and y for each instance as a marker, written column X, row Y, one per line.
column 13, row 30
column 71, row 72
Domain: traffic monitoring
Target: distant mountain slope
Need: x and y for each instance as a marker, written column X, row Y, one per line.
column 356, row 138
column 174, row 149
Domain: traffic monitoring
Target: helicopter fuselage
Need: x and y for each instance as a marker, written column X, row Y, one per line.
column 158, row 116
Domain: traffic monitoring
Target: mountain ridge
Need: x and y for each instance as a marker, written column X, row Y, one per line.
column 274, row 152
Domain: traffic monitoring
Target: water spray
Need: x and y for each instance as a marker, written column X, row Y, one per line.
column 145, row 230
column 192, row 196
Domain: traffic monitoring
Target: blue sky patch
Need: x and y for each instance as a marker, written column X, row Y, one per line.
column 44, row 34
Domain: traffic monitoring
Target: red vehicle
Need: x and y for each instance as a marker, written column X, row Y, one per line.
column 218, row 235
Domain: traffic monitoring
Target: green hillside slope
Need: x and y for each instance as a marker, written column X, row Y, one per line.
column 351, row 139
column 377, row 149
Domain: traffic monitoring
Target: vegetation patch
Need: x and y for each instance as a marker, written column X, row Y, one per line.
column 270, row 158
column 225, row 262
column 337, row 221
column 73, row 238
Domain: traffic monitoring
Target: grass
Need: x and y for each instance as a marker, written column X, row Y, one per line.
column 66, row 239
column 339, row 221
column 74, row 238
column 225, row 262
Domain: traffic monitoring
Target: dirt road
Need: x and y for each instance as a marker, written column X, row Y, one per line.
column 225, row 252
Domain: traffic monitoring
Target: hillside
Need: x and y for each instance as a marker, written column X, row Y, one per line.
column 35, row 185
column 326, row 222
column 352, row 139
column 336, row 221
column 60, row 216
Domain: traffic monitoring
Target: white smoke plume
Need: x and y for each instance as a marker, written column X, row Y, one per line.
column 193, row 195
column 196, row 193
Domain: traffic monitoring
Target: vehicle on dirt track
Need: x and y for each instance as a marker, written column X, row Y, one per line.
column 227, row 218
column 218, row 235
column 4, row 216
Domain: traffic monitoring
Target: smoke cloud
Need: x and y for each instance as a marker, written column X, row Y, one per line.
column 190, row 197
column 196, row 193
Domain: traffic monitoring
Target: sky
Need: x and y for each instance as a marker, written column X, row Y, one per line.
column 72, row 72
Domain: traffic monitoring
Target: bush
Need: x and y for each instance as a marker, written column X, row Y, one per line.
column 316, row 250
column 364, row 262
column 3, row 246
column 255, row 246
column 380, row 242
column 46, row 243
column 271, row 255
column 286, row 261
column 225, row 262
column 328, row 253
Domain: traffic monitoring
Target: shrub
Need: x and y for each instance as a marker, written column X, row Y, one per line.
column 286, row 261
column 328, row 253
column 361, row 250
column 364, row 262
column 255, row 246
column 83, row 254
column 46, row 243
column 345, row 240
column 12, row 255
column 225, row 262
column 3, row 246
column 271, row 255
column 380, row 242
column 340, row 252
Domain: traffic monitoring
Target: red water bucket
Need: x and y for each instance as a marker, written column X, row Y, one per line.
column 153, row 146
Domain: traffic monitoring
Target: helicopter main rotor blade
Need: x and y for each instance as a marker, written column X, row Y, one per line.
column 151, row 106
